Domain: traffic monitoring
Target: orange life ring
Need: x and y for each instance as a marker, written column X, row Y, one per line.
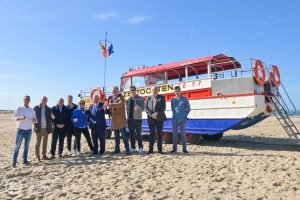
column 275, row 75
column 260, row 80
column 101, row 93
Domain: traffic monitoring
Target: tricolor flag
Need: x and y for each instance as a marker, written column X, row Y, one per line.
column 104, row 52
column 110, row 50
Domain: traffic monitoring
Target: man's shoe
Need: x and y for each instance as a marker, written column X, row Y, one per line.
column 52, row 157
column 150, row 152
column 69, row 152
column 160, row 152
column 78, row 153
column 26, row 162
column 127, row 153
column 173, row 151
column 13, row 165
column 141, row 151
column 60, row 155
column 38, row 159
column 132, row 150
column 185, row 151
column 101, row 153
column 116, row 152
column 45, row 158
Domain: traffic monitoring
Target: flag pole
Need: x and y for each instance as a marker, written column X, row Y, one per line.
column 104, row 88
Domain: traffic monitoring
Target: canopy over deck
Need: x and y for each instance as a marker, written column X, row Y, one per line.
column 218, row 63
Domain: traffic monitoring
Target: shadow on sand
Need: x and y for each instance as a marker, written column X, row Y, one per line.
column 259, row 143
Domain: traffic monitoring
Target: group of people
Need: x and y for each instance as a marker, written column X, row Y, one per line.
column 71, row 120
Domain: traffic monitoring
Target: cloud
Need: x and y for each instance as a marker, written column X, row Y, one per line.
column 137, row 19
column 4, row 62
column 12, row 5
column 259, row 33
column 192, row 31
column 14, row 77
column 3, row 94
column 106, row 16
column 271, row 23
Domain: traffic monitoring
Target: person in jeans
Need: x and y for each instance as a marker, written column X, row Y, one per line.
column 25, row 116
column 135, row 106
column 70, row 128
column 180, row 109
column 42, row 128
column 60, row 117
column 116, row 106
column 155, row 108
column 79, row 119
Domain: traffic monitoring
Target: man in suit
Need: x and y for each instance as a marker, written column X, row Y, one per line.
column 70, row 128
column 43, row 127
column 96, row 113
column 155, row 107
column 60, row 117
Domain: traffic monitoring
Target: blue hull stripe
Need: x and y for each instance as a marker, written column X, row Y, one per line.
column 208, row 126
column 198, row 126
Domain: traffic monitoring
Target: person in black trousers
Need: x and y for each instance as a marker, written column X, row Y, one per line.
column 135, row 107
column 80, row 121
column 70, row 128
column 59, row 119
column 97, row 123
column 155, row 107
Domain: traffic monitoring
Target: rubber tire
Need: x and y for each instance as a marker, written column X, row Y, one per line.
column 214, row 137
column 195, row 139
column 169, row 138
column 108, row 133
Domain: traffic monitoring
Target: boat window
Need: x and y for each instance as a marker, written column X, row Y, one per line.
column 174, row 76
column 139, row 81
column 155, row 79
column 125, row 83
column 192, row 73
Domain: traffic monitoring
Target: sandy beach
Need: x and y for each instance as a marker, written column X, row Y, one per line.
column 255, row 163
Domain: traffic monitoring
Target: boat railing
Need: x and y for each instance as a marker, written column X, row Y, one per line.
column 85, row 93
column 247, row 69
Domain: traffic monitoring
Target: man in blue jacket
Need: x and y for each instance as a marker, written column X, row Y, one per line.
column 79, row 119
column 97, row 124
column 180, row 108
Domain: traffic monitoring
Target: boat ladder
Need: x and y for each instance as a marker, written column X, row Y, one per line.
column 283, row 112
column 282, row 115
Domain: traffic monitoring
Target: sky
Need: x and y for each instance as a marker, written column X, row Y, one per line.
column 52, row 47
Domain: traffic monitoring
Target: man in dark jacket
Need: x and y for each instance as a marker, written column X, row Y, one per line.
column 70, row 128
column 155, row 107
column 42, row 128
column 97, row 122
column 60, row 116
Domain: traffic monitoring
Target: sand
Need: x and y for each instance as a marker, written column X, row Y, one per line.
column 255, row 163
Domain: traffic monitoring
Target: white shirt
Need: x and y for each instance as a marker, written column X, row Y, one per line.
column 29, row 114
column 43, row 117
